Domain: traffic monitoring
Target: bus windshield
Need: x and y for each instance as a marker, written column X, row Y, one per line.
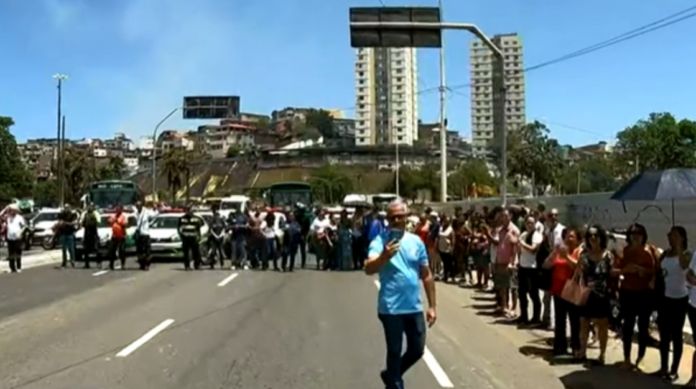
column 108, row 198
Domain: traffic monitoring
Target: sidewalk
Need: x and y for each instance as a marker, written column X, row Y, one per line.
column 533, row 344
column 34, row 260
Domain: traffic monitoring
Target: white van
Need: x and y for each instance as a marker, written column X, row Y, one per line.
column 233, row 203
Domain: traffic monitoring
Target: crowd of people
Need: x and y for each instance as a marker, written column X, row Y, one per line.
column 577, row 275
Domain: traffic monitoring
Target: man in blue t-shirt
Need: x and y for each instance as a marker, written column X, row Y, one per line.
column 401, row 260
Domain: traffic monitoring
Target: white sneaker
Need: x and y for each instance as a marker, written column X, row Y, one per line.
column 233, row 267
column 19, row 270
column 246, row 267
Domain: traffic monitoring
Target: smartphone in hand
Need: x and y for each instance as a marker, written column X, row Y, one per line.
column 395, row 235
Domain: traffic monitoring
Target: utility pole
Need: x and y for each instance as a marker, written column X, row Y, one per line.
column 60, row 133
column 443, row 118
column 62, row 163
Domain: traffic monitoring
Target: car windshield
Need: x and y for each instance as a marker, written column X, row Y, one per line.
column 231, row 205
column 45, row 217
column 162, row 223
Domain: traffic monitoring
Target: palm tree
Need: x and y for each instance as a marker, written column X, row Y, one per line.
column 330, row 184
column 175, row 167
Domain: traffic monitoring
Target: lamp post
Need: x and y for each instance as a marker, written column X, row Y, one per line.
column 60, row 136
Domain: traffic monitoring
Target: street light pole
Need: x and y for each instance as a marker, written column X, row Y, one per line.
column 496, row 51
column 154, row 151
column 59, row 134
column 443, row 120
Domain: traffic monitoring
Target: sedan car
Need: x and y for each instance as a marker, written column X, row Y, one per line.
column 164, row 235
column 104, row 231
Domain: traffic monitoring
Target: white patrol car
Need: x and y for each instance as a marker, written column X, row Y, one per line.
column 104, row 232
column 43, row 223
column 164, row 235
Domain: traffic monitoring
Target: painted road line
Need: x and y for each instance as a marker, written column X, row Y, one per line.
column 436, row 369
column 432, row 363
column 102, row 272
column 145, row 338
column 228, row 279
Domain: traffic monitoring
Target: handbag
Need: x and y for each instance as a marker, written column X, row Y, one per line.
column 574, row 291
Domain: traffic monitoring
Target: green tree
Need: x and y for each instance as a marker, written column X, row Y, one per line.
column 80, row 169
column 114, row 169
column 15, row 178
column 262, row 124
column 470, row 174
column 233, row 151
column 175, row 167
column 323, row 122
column 413, row 180
column 590, row 174
column 533, row 155
column 658, row 142
column 330, row 184
column 46, row 193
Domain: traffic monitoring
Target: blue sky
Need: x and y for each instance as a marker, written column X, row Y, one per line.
column 131, row 61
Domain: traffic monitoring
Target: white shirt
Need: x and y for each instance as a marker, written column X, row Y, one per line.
column 675, row 278
column 692, row 289
column 555, row 235
column 144, row 219
column 320, row 225
column 539, row 227
column 528, row 258
column 444, row 240
column 15, row 227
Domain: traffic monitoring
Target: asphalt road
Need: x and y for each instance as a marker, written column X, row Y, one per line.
column 67, row 329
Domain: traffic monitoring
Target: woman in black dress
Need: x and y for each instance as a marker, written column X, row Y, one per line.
column 594, row 265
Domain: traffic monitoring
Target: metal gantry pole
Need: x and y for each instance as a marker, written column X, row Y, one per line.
column 496, row 51
column 154, row 151
column 443, row 119
column 60, row 135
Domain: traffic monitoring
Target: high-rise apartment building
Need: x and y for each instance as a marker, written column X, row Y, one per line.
column 386, row 83
column 487, row 107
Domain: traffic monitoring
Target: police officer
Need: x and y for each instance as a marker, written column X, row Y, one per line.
column 190, row 233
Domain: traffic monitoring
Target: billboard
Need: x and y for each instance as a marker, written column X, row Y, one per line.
column 211, row 107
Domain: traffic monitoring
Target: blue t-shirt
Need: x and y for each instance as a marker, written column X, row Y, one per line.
column 399, row 291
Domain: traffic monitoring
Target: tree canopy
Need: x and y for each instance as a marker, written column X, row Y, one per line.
column 15, row 178
column 658, row 142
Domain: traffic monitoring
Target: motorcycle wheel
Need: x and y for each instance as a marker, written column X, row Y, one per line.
column 48, row 243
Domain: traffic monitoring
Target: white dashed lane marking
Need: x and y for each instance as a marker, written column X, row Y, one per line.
column 145, row 338
column 432, row 363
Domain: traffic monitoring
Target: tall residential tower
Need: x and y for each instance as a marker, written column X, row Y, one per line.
column 487, row 109
column 386, row 96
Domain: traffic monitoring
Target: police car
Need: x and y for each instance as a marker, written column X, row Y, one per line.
column 104, row 232
column 165, row 241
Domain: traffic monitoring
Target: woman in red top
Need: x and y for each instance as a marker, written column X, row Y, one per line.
column 562, row 262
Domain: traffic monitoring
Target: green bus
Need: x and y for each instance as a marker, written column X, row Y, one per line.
column 107, row 194
column 289, row 193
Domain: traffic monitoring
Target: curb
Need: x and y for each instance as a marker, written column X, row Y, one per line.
column 34, row 260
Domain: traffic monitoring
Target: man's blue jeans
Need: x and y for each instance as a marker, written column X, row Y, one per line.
column 67, row 243
column 395, row 326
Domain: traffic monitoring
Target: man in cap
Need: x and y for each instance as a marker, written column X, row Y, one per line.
column 15, row 231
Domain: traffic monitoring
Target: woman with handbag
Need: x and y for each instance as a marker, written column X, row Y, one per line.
column 673, row 295
column 562, row 263
column 594, row 268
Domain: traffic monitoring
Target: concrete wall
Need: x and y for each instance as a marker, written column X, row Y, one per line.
column 598, row 208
